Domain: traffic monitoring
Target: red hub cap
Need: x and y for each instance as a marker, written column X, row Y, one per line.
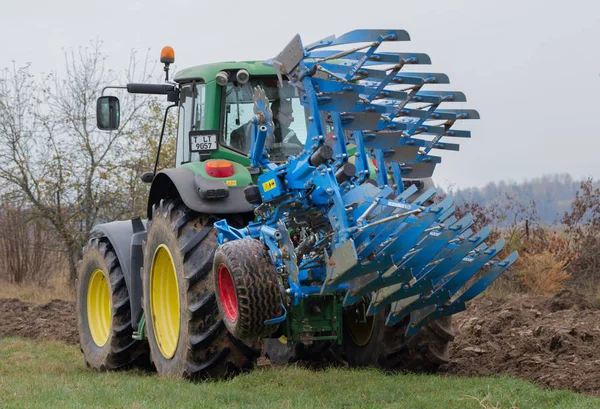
column 227, row 294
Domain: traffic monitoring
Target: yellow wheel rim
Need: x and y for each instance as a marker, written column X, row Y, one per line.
column 359, row 326
column 164, row 301
column 98, row 307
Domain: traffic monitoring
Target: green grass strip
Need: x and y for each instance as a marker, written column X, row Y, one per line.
column 43, row 374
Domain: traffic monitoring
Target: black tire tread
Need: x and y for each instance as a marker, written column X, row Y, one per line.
column 121, row 349
column 257, row 286
column 209, row 352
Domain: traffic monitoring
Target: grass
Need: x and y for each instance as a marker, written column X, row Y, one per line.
column 36, row 294
column 44, row 374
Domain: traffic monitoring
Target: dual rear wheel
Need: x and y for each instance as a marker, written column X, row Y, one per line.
column 186, row 336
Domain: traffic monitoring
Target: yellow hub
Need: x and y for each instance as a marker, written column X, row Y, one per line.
column 359, row 326
column 164, row 301
column 98, row 307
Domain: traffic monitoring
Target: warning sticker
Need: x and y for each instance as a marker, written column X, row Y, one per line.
column 268, row 185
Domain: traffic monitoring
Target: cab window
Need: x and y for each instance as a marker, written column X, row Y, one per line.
column 289, row 118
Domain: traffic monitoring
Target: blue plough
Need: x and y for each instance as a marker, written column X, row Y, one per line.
column 402, row 249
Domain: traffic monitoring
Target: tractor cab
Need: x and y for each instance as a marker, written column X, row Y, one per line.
column 216, row 109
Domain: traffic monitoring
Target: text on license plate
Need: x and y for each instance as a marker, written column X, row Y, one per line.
column 203, row 142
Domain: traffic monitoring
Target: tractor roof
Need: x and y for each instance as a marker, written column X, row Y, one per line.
column 207, row 72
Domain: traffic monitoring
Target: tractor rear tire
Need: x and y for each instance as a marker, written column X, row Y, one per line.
column 248, row 291
column 369, row 342
column 103, row 310
column 186, row 334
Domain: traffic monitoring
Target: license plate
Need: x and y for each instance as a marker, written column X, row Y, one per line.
column 201, row 141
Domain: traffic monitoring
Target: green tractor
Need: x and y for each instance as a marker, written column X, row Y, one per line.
column 239, row 250
column 145, row 287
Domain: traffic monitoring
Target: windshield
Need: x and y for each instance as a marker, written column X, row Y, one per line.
column 289, row 118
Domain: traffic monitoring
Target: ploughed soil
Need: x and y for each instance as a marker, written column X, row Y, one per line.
column 553, row 341
column 55, row 320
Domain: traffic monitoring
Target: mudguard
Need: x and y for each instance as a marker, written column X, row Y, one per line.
column 126, row 237
column 182, row 182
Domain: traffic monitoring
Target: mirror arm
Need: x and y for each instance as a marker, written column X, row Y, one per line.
column 112, row 87
column 162, row 132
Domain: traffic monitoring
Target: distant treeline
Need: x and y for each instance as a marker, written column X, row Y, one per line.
column 551, row 194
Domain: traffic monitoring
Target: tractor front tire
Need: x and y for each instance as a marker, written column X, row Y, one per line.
column 103, row 310
column 369, row 342
column 186, row 335
column 248, row 291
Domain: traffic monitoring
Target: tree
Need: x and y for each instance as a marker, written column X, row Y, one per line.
column 53, row 157
column 143, row 144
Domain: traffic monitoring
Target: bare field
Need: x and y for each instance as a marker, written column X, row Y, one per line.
column 553, row 341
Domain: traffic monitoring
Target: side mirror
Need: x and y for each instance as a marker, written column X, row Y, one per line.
column 108, row 113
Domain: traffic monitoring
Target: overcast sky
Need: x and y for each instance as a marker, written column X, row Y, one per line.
column 531, row 67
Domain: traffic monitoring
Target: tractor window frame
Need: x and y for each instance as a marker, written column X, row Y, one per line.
column 186, row 124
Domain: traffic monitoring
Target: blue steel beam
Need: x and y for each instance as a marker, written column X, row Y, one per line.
column 373, row 74
column 418, row 320
column 386, row 295
column 358, row 36
column 385, row 260
column 374, row 59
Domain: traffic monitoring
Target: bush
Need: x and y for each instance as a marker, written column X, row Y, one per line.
column 544, row 258
column 583, row 233
column 542, row 273
column 27, row 249
column 549, row 259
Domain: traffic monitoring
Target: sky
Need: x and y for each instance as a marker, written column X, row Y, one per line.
column 530, row 67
